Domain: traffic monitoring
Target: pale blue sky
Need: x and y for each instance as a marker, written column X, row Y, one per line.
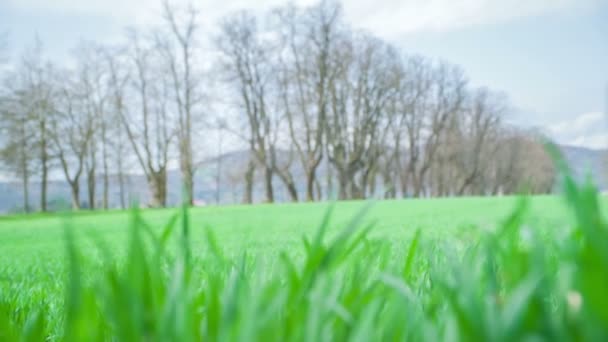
column 549, row 56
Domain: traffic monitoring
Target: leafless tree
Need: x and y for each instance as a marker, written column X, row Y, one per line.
column 539, row 174
column 37, row 82
column 179, row 49
column 30, row 92
column 521, row 164
column 221, row 127
column 118, row 77
column 359, row 98
column 246, row 62
column 73, row 129
column 17, row 140
column 308, row 66
column 307, row 94
column 428, row 116
column 249, row 177
column 479, row 125
column 147, row 121
column 234, row 177
column 40, row 80
column 406, row 117
column 92, row 89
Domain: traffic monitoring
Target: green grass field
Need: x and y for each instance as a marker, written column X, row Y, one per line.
column 446, row 269
column 268, row 229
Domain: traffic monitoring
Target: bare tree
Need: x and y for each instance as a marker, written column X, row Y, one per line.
column 92, row 88
column 539, row 174
column 309, row 94
column 36, row 82
column 283, row 166
column 72, row 132
column 359, row 99
column 17, row 140
column 480, row 121
column 147, row 121
column 248, row 179
column 39, row 76
column 220, row 156
column 234, row 177
column 308, row 67
column 30, row 92
column 406, row 118
column 521, row 163
column 180, row 55
column 118, row 78
column 246, row 64
column 442, row 95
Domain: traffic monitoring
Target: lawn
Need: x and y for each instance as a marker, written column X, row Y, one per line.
column 38, row 242
column 282, row 269
column 267, row 228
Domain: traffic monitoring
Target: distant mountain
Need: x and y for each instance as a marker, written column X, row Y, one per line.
column 231, row 186
column 582, row 160
column 585, row 161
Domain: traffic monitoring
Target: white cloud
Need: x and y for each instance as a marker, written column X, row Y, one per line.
column 143, row 12
column 386, row 17
column 586, row 130
column 401, row 16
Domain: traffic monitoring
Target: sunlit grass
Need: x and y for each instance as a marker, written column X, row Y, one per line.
column 469, row 269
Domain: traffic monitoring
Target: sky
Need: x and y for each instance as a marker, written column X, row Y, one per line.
column 549, row 56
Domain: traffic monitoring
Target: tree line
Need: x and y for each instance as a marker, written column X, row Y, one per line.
column 298, row 87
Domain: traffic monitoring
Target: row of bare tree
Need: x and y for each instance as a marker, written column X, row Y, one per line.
column 136, row 101
column 309, row 85
column 297, row 86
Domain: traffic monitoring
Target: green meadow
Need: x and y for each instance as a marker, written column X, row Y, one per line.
column 468, row 269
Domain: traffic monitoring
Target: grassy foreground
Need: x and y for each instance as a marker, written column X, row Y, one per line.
column 498, row 269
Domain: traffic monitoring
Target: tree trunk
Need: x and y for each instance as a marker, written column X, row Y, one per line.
column 44, row 186
column 26, row 193
column 188, row 186
column 268, row 174
column 464, row 187
column 404, row 182
column 372, row 185
column 187, row 172
column 218, row 181
column 290, row 185
column 388, row 184
column 106, row 190
column 343, row 183
column 121, row 182
column 25, row 179
column 418, row 188
column 75, row 187
column 249, row 174
column 407, row 177
column 106, row 180
column 310, row 184
column 44, row 167
column 158, row 189
column 311, row 180
column 356, row 192
column 319, row 191
column 118, row 154
column 121, row 188
column 330, row 183
column 91, row 187
column 368, row 183
column 417, row 183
